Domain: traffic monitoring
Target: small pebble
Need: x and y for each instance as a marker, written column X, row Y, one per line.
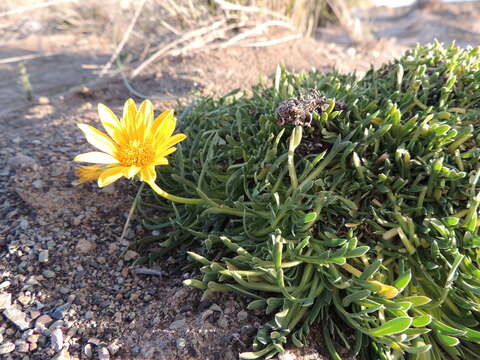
column 37, row 184
column 88, row 315
column 24, row 299
column 26, row 334
column 113, row 347
column 43, row 100
column 215, row 307
column 33, row 347
column 62, row 355
column 21, row 161
column 88, row 351
column 21, row 346
column 32, row 281
column 49, row 274
column 94, row 341
column 181, row 343
column 222, row 322
column 242, row 316
column 23, row 224
column 5, row 300
column 7, row 348
column 177, row 324
column 64, row 290
column 130, row 255
column 56, row 324
column 43, row 256
column 5, row 284
column 43, row 321
column 57, row 339
column 229, row 355
column 287, row 355
column 78, row 220
column 17, row 318
column 33, row 339
column 85, row 246
column 103, row 353
column 206, row 314
column 42, row 340
column 59, row 312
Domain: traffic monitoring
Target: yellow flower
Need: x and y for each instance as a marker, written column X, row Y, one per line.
column 135, row 145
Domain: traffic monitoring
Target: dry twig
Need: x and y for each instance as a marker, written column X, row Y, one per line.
column 24, row 57
column 225, row 5
column 350, row 24
column 164, row 50
column 257, row 30
column 34, row 7
column 146, row 271
column 274, row 41
column 139, row 94
column 124, row 39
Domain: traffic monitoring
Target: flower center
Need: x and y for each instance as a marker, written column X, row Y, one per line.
column 136, row 154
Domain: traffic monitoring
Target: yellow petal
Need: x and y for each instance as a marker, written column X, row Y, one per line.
column 109, row 176
column 98, row 139
column 87, row 173
column 167, row 114
column 96, row 157
column 161, row 161
column 129, row 109
column 129, row 115
column 164, row 153
column 144, row 117
column 165, row 128
column 148, row 174
column 110, row 123
column 173, row 140
column 131, row 171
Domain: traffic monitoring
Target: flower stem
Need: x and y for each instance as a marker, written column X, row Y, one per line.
column 132, row 210
column 174, row 198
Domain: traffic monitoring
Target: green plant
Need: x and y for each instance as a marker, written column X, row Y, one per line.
column 25, row 81
column 352, row 206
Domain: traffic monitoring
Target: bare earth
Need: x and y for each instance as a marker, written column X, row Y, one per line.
column 67, row 288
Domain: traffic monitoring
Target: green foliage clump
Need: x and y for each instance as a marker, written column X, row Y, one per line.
column 352, row 206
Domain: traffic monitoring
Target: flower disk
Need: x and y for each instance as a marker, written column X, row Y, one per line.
column 135, row 144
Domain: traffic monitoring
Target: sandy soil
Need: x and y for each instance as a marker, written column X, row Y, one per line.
column 67, row 290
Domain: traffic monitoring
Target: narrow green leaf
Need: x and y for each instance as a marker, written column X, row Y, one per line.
column 256, row 304
column 281, row 318
column 403, row 280
column 309, row 217
column 256, row 354
column 446, row 339
column 417, row 300
column 359, row 251
column 445, row 329
column 391, row 327
column 420, row 321
column 355, row 296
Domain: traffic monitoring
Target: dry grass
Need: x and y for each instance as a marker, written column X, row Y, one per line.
column 175, row 16
column 142, row 32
